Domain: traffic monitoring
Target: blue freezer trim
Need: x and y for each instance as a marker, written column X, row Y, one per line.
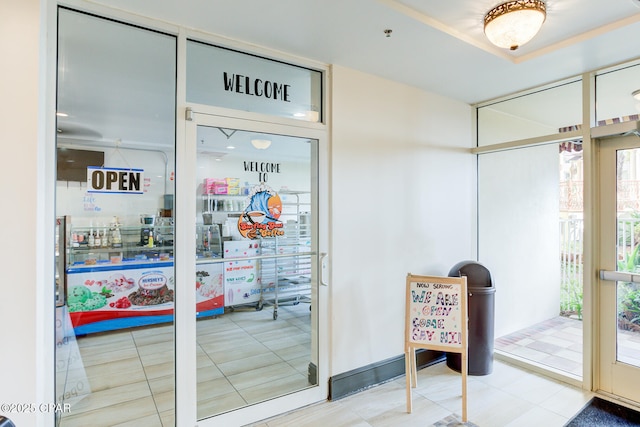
column 212, row 312
column 121, row 323
column 116, row 267
column 131, row 322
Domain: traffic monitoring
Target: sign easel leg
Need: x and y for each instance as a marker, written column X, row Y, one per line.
column 408, row 369
column 414, row 367
column 465, row 368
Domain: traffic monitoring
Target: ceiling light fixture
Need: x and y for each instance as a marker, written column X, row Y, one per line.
column 261, row 144
column 512, row 24
column 636, row 94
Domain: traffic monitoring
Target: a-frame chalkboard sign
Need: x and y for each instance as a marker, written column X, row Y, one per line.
column 436, row 319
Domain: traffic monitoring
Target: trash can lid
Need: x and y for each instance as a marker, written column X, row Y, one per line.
column 477, row 274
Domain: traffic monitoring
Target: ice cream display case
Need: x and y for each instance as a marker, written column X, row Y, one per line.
column 103, row 298
column 129, row 282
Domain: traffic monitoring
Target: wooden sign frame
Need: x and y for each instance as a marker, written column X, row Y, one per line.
column 436, row 319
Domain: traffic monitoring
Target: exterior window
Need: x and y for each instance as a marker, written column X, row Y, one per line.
column 544, row 112
column 615, row 101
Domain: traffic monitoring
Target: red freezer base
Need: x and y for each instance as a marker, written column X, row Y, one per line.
column 89, row 322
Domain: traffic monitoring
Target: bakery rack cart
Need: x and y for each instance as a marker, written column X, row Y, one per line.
column 286, row 261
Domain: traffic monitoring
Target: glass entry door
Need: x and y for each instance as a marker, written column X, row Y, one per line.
column 619, row 291
column 254, row 325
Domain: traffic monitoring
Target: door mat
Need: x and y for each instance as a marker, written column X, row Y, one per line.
column 600, row 412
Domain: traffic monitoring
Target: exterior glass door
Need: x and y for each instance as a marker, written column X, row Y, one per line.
column 256, row 250
column 619, row 291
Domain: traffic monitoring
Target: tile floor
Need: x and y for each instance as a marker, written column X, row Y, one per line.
column 508, row 397
column 130, row 375
column 557, row 343
column 127, row 377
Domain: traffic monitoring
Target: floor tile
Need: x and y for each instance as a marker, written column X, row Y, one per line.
column 567, row 402
column 254, row 361
column 275, row 388
column 246, row 357
column 218, row 404
column 112, row 397
column 537, row 417
column 108, row 416
column 262, row 375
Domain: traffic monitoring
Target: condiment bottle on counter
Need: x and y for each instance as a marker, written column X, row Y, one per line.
column 116, row 237
column 92, row 239
column 105, row 237
column 97, row 240
column 150, row 238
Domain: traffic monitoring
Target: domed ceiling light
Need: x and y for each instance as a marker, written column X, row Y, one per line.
column 512, row 24
column 261, row 144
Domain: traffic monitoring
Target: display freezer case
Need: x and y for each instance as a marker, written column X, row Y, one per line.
column 103, row 298
column 128, row 281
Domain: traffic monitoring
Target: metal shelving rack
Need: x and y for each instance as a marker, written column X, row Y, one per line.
column 285, row 264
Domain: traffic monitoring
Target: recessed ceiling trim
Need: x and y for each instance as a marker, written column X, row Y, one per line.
column 434, row 23
column 580, row 37
column 516, row 59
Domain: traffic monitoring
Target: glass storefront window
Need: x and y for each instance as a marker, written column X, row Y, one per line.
column 115, row 155
column 226, row 78
column 530, row 232
column 544, row 112
column 615, row 101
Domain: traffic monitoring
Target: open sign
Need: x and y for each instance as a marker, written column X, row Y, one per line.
column 114, row 180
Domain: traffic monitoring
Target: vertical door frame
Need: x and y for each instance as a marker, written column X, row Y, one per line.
column 613, row 377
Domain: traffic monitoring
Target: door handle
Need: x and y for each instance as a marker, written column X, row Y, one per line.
column 323, row 269
column 619, row 276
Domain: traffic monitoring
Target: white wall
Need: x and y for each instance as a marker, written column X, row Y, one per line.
column 519, row 234
column 403, row 201
column 19, row 127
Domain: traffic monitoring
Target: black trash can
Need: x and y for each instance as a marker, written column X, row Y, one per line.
column 481, row 311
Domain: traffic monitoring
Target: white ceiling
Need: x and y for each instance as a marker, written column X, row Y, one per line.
column 435, row 45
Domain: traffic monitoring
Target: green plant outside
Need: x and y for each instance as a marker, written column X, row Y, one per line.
column 571, row 291
column 628, row 295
